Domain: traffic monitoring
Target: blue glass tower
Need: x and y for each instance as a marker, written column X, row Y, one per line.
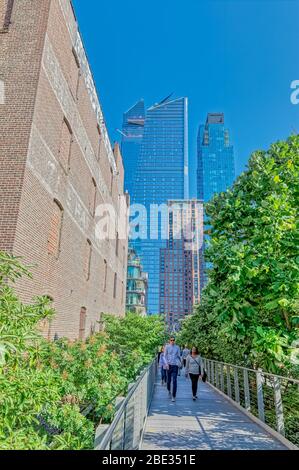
column 132, row 135
column 161, row 174
column 216, row 165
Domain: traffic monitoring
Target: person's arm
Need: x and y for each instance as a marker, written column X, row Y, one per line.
column 166, row 354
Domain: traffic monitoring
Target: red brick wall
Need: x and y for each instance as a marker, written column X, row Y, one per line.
column 62, row 164
column 20, row 57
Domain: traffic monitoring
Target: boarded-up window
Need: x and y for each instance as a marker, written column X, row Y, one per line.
column 105, row 275
column 92, row 197
column 117, row 244
column 65, row 144
column 6, row 7
column 82, row 324
column 115, row 286
column 87, row 260
column 74, row 74
column 54, row 238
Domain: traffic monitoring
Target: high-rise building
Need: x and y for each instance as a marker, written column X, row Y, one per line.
column 180, row 262
column 57, row 167
column 137, row 282
column 161, row 174
column 132, row 135
column 216, row 166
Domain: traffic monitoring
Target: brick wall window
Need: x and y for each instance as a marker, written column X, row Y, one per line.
column 115, row 286
column 54, row 239
column 6, row 7
column 87, row 260
column 82, row 324
column 74, row 74
column 92, row 197
column 65, row 144
column 105, row 275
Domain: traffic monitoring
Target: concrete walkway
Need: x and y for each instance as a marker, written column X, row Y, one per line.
column 210, row 423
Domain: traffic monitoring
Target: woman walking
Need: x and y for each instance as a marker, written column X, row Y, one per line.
column 194, row 370
column 163, row 366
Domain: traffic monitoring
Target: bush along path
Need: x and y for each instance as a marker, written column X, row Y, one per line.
column 54, row 394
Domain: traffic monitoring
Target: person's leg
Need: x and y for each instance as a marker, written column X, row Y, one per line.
column 164, row 376
column 174, row 383
column 184, row 363
column 169, row 378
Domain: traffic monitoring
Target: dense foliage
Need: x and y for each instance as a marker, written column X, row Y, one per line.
column 250, row 308
column 53, row 394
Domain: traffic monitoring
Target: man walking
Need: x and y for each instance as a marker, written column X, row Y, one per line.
column 172, row 355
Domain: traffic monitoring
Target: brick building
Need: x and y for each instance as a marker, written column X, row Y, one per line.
column 56, row 167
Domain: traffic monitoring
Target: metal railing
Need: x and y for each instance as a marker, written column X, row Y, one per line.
column 126, row 430
column 271, row 398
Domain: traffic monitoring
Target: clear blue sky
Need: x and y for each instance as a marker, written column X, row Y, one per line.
column 233, row 56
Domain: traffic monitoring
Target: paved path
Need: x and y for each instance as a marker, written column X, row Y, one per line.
column 211, row 422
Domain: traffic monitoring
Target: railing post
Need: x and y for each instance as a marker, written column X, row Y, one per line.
column 209, row 370
column 229, row 385
column 221, row 378
column 278, row 406
column 260, row 397
column 217, row 374
column 246, row 390
column 236, row 385
column 212, row 373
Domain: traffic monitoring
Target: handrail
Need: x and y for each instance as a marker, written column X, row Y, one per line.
column 285, row 377
column 270, row 398
column 146, row 379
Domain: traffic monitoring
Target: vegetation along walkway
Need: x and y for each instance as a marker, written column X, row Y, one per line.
column 210, row 423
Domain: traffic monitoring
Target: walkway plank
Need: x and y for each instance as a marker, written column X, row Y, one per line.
column 210, row 423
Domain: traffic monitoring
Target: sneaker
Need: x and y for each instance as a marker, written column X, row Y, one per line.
column 173, row 399
column 194, row 398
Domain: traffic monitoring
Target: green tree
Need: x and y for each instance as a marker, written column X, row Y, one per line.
column 250, row 307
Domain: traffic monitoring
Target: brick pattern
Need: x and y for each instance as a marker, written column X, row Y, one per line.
column 51, row 155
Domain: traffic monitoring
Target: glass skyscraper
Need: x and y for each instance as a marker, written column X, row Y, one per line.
column 161, row 174
column 132, row 135
column 216, row 165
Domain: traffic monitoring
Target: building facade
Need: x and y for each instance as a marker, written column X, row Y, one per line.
column 137, row 282
column 56, row 168
column 181, row 263
column 161, row 174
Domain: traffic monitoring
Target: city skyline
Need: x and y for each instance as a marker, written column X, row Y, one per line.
column 206, row 51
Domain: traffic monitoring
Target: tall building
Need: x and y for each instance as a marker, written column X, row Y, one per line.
column 137, row 282
column 216, row 166
column 56, row 168
column 180, row 262
column 161, row 174
column 132, row 135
